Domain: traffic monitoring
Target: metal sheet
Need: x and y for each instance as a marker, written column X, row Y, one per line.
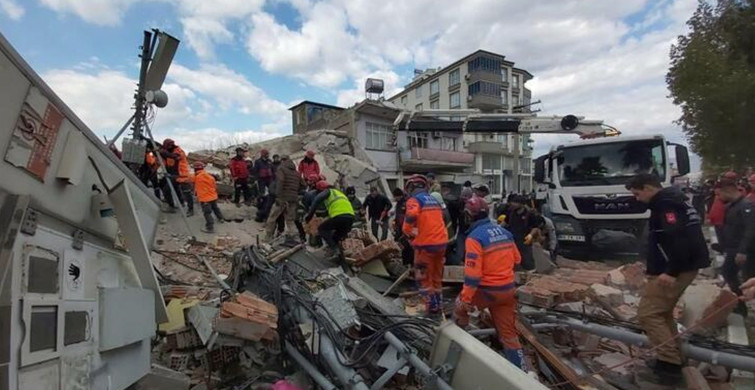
column 126, row 316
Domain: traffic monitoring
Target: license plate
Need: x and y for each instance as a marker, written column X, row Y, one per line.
column 571, row 237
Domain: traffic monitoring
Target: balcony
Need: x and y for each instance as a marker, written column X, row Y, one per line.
column 489, row 147
column 423, row 160
column 485, row 102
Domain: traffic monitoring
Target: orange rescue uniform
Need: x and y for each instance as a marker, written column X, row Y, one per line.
column 491, row 255
column 426, row 230
column 204, row 185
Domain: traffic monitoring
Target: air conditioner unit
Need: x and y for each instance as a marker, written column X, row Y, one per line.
column 469, row 98
column 437, row 134
column 467, row 76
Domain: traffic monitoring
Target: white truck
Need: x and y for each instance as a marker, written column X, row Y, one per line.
column 79, row 300
column 594, row 214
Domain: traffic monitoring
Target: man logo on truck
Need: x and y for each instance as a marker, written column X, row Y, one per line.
column 614, row 206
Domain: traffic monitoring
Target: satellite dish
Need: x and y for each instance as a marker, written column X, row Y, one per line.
column 569, row 122
column 159, row 98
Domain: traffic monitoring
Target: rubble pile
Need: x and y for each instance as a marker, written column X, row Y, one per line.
column 341, row 158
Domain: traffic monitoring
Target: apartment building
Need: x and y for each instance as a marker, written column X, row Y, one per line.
column 490, row 83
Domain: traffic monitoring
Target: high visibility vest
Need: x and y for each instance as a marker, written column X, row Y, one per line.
column 338, row 204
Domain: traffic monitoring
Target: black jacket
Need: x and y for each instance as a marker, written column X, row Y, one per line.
column 739, row 228
column 675, row 238
column 375, row 205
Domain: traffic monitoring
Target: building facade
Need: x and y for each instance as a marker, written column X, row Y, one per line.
column 488, row 82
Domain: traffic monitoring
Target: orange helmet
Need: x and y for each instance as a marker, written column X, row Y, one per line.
column 198, row 165
column 322, row 185
column 415, row 181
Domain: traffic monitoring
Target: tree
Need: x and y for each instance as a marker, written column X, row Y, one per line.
column 712, row 79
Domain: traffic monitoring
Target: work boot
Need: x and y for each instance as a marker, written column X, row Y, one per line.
column 190, row 213
column 207, row 229
column 662, row 374
column 221, row 220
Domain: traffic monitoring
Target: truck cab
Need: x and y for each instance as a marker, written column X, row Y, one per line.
column 585, row 195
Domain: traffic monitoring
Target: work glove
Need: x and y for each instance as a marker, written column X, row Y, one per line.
column 461, row 313
column 528, row 239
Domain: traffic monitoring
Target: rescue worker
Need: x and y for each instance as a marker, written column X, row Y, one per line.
column 521, row 222
column 308, row 199
column 432, row 184
column 676, row 251
column 340, row 216
column 276, row 162
column 426, row 231
column 489, row 262
column 308, row 165
column 737, row 236
column 263, row 169
column 177, row 167
column 207, row 195
column 377, row 206
column 287, row 186
column 240, row 176
column 356, row 204
column 148, row 170
column 407, row 252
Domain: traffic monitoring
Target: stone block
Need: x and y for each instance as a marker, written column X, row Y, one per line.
column 694, row 379
column 381, row 250
column 709, row 302
column 536, row 296
column 609, row 295
column 352, row 246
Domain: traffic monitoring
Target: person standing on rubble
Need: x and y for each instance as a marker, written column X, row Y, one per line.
column 491, row 255
column 240, row 176
column 308, row 165
column 177, row 166
column 676, row 251
column 522, row 223
column 340, row 216
column 426, row 231
column 263, row 169
column 288, row 183
column 207, row 195
column 407, row 253
column 377, row 207
column 148, row 170
column 738, row 234
column 356, row 204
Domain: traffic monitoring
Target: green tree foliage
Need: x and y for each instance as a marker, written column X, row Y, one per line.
column 712, row 79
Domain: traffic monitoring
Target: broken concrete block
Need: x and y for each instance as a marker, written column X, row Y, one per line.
column 312, row 226
column 626, row 312
column 576, row 264
column 536, row 296
column 610, row 295
column 614, row 359
column 629, row 276
column 352, row 246
column 694, row 379
column 703, row 300
column 160, row 378
column 565, row 291
column 381, row 250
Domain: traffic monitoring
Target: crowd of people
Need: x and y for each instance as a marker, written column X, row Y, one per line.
column 436, row 225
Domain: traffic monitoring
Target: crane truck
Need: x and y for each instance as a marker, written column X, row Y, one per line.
column 582, row 184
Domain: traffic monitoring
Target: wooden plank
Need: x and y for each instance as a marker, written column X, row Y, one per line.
column 694, row 379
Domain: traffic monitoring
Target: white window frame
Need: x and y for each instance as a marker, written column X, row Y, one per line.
column 418, row 92
column 435, row 104
column 435, row 83
column 454, row 77
column 515, row 81
column 451, row 100
column 377, row 136
column 418, row 107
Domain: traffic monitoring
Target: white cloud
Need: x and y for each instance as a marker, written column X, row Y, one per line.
column 100, row 12
column 12, row 9
column 205, row 23
column 228, row 88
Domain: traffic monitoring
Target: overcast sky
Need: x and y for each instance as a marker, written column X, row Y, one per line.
column 242, row 63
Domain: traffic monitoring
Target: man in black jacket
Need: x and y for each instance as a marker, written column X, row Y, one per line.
column 676, row 251
column 738, row 238
column 378, row 206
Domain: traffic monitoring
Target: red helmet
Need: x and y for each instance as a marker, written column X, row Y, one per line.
column 310, row 154
column 322, row 185
column 415, row 181
column 313, row 178
column 264, row 152
column 198, row 165
column 169, row 143
column 476, row 207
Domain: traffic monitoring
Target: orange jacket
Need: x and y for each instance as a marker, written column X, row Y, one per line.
column 424, row 223
column 204, row 185
column 490, row 258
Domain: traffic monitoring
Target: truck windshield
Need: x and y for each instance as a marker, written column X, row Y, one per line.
column 610, row 163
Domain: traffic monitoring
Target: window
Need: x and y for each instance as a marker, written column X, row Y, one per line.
column 610, row 164
column 403, row 100
column 418, row 107
column 505, row 96
column 418, row 92
column 454, row 78
column 484, row 88
column 448, row 143
column 491, row 162
column 434, row 87
column 494, row 184
column 378, row 136
column 504, row 75
column 515, row 81
column 435, row 104
column 515, row 100
column 455, row 99
column 418, row 140
column 484, row 64
column 298, row 117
